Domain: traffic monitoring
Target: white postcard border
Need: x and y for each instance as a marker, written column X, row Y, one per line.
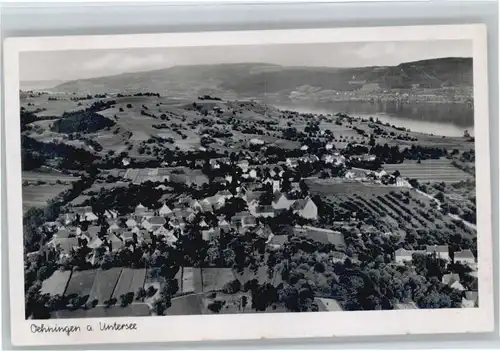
column 253, row 326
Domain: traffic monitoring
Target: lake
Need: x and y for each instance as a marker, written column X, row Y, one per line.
column 432, row 118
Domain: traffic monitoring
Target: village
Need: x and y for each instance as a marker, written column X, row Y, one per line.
column 256, row 202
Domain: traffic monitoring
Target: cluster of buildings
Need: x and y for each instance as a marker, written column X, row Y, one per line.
column 82, row 227
column 465, row 257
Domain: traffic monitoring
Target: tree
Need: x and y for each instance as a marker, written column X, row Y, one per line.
column 216, row 306
column 304, row 188
column 244, row 302
column 141, row 294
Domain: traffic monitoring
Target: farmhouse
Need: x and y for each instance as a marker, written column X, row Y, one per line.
column 464, row 257
column 141, row 210
column 440, row 251
column 165, row 210
column 281, row 201
column 65, row 245
column 264, row 211
column 306, row 208
column 402, row 255
column 130, row 223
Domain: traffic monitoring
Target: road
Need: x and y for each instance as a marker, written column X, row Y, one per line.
column 455, row 217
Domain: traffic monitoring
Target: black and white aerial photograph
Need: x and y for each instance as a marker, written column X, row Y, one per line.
column 244, row 179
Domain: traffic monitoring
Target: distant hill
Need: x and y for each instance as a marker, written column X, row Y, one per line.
column 39, row 84
column 257, row 80
column 81, row 121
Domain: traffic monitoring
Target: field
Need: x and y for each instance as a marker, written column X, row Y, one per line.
column 429, row 171
column 104, row 284
column 391, row 209
column 324, row 236
column 214, row 279
column 185, row 277
column 130, row 281
column 49, row 177
column 56, row 283
column 81, row 283
column 133, row 310
column 182, row 305
column 38, row 195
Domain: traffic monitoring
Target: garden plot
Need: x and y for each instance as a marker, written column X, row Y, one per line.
column 104, row 284
column 81, row 283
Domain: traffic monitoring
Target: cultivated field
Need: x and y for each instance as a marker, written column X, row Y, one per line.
column 38, row 195
column 130, row 281
column 429, row 171
column 214, row 279
column 390, row 208
column 81, row 283
column 56, row 283
column 104, row 284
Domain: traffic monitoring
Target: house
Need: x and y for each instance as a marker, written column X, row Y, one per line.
column 62, row 233
column 161, row 231
column 195, row 205
column 450, row 278
column 440, row 251
column 114, row 242
column 470, row 299
column 95, row 243
column 206, row 206
column 309, row 159
column 165, row 210
column 329, row 305
column 276, row 241
column 243, row 165
column 92, row 231
column 110, row 214
column 256, row 141
column 251, row 196
column 336, row 256
column 281, row 201
column 153, row 223
column 141, row 210
column 130, row 223
column 264, row 231
column 248, row 221
column 145, row 236
column 209, row 234
column 253, row 173
column 264, row 211
column 403, row 255
column 457, row 286
column 127, row 236
column 224, row 195
column 306, row 208
column 329, row 146
column 292, row 162
column 464, row 257
column 203, row 223
column 304, row 148
column 406, row 306
column 65, row 245
column 223, row 224
column 67, row 218
column 113, row 226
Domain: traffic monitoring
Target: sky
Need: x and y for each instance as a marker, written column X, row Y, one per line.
column 79, row 64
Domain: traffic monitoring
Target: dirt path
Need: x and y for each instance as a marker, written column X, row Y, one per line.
column 453, row 216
